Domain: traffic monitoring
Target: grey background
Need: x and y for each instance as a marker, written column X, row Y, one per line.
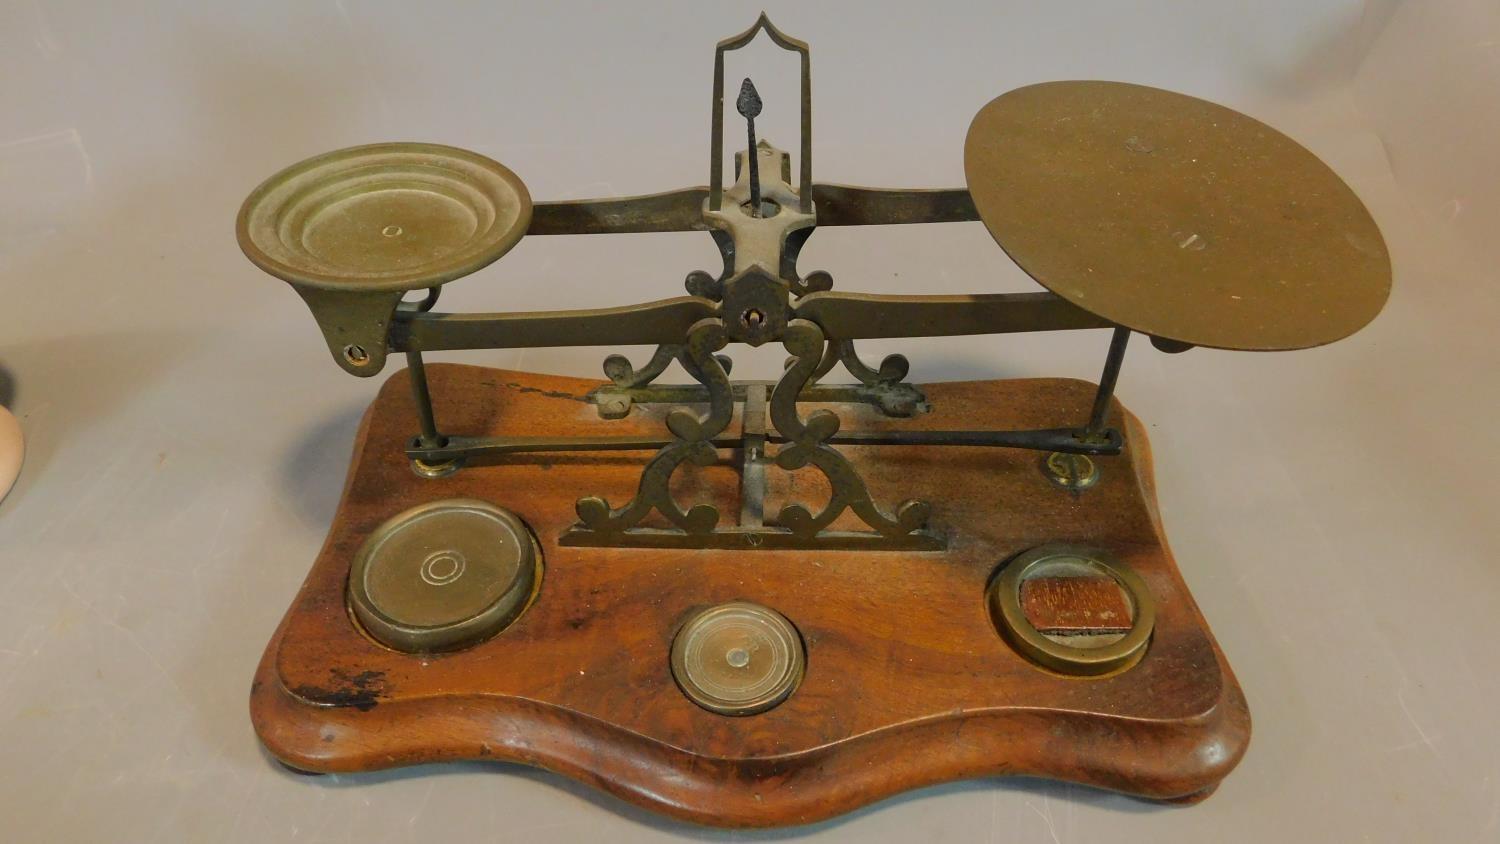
column 1333, row 510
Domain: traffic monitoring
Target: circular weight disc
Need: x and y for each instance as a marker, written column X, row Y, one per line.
column 737, row 658
column 1004, row 599
column 444, row 575
column 1174, row 216
column 398, row 216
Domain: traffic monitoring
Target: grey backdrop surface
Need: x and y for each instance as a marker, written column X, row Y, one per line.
column 1333, row 510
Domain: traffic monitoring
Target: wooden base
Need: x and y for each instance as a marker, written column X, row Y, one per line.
column 907, row 681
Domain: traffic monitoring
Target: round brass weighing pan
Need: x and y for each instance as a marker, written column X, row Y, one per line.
column 1175, row 217
column 384, row 217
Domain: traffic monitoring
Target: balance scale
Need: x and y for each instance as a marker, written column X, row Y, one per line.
column 750, row 603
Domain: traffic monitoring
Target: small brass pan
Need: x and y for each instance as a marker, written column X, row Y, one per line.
column 354, row 229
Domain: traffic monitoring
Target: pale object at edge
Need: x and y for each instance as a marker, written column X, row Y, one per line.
column 12, row 449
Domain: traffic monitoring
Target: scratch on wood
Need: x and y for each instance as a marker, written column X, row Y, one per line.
column 551, row 394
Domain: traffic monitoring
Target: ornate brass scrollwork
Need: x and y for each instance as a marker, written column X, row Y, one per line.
column 807, row 445
column 893, row 368
column 619, row 370
column 694, row 442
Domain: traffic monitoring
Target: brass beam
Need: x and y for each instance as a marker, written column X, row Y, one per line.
column 664, row 321
column 858, row 316
column 846, row 205
column 682, row 210
column 672, row 211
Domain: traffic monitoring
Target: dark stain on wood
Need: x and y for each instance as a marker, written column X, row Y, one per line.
column 361, row 691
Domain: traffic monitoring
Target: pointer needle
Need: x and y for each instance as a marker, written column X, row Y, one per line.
column 749, row 106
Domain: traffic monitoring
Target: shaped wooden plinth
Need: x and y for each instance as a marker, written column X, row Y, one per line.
column 907, row 683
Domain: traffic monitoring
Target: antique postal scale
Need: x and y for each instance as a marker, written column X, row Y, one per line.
column 757, row 604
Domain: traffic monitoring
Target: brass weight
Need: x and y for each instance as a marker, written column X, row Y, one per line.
column 738, row 658
column 444, row 575
column 1083, row 657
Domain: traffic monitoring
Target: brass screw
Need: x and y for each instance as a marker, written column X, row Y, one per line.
column 1070, row 471
column 436, row 470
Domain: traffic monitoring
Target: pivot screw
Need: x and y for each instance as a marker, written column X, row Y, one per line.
column 1070, row 471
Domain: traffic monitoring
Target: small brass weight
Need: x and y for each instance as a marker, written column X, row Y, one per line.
column 863, row 570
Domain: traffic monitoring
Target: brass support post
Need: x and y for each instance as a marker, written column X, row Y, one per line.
column 429, row 438
column 1107, row 381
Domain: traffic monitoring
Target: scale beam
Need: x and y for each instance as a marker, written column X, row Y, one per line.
column 865, row 316
column 1065, row 440
column 666, row 321
column 682, row 210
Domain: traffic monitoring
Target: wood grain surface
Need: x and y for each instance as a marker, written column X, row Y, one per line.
column 907, row 683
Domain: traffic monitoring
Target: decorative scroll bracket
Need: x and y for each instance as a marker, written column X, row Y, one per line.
column 805, row 444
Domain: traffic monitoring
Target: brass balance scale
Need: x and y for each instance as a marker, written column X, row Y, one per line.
column 518, row 580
